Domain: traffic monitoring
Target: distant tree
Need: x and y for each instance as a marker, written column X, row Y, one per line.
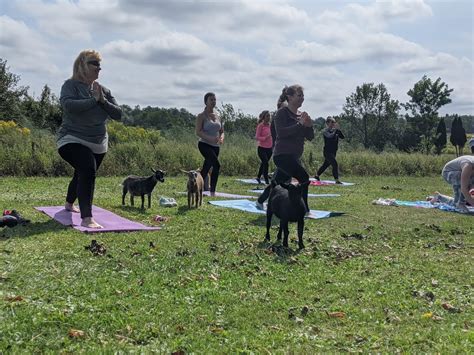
column 46, row 112
column 458, row 136
column 237, row 121
column 441, row 138
column 11, row 95
column 427, row 97
column 371, row 115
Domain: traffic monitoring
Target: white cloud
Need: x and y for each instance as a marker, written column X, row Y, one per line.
column 168, row 49
column 169, row 53
column 24, row 49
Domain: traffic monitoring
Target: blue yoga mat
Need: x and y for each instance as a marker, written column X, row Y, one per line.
column 249, row 206
column 427, row 204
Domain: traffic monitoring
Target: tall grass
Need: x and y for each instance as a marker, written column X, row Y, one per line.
column 137, row 151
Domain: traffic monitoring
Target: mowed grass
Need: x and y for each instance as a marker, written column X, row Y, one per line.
column 373, row 280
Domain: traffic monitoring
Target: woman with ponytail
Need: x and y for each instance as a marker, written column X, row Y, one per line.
column 292, row 128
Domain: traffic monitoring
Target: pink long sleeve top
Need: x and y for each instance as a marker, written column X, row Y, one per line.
column 263, row 136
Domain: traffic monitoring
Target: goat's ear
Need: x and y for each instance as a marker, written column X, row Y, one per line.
column 154, row 171
column 184, row 171
column 163, row 172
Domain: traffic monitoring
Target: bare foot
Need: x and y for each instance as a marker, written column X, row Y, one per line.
column 71, row 208
column 435, row 197
column 89, row 222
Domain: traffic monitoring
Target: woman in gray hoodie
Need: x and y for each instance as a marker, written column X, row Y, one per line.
column 82, row 138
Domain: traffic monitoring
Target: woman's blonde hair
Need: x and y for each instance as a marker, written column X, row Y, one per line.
column 262, row 115
column 80, row 69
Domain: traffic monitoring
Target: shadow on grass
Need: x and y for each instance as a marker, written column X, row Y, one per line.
column 31, row 229
column 185, row 209
column 133, row 209
column 261, row 220
column 282, row 254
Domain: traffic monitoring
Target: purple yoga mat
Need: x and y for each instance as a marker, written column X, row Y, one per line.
column 110, row 221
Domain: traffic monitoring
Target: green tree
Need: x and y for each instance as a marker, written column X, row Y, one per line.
column 46, row 112
column 11, row 95
column 237, row 121
column 426, row 98
column 458, row 136
column 441, row 138
column 371, row 115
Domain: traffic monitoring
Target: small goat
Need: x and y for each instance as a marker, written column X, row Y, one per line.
column 195, row 186
column 141, row 186
column 287, row 204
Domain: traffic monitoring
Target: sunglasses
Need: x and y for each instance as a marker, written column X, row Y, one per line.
column 95, row 63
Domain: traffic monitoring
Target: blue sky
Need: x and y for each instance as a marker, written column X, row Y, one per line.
column 170, row 53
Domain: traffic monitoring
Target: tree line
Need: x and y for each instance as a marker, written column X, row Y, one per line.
column 370, row 117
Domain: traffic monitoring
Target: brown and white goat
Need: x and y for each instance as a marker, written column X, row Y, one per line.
column 195, row 186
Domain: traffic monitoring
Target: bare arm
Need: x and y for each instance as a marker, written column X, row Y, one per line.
column 466, row 173
column 221, row 134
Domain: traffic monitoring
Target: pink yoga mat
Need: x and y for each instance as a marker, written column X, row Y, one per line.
column 110, row 221
column 314, row 182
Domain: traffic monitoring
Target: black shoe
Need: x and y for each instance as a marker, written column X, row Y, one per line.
column 338, row 182
column 316, row 177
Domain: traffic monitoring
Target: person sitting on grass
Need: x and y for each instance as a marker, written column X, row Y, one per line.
column 459, row 173
column 331, row 139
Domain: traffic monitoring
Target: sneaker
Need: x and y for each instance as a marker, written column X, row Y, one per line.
column 338, row 182
column 307, row 214
column 259, row 206
column 316, row 177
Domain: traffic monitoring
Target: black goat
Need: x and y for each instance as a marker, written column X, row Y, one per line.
column 141, row 186
column 287, row 204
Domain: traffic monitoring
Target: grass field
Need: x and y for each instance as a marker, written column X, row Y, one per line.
column 378, row 279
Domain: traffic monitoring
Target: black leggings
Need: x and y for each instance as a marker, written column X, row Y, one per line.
column 211, row 155
column 85, row 164
column 288, row 166
column 264, row 154
column 329, row 159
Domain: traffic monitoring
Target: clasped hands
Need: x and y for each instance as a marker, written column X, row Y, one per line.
column 305, row 120
column 97, row 92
